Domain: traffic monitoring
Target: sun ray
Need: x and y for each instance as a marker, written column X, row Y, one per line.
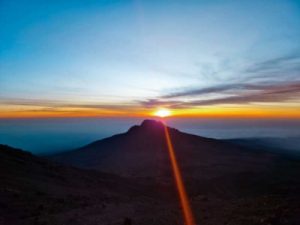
column 183, row 197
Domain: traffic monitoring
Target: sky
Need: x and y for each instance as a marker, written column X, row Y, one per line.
column 128, row 58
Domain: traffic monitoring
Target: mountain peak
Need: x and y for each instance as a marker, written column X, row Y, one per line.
column 147, row 126
column 151, row 123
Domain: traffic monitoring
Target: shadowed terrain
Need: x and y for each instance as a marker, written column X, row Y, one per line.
column 36, row 191
column 129, row 175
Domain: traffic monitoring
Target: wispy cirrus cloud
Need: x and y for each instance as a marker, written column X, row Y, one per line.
column 214, row 89
column 239, row 94
column 266, row 94
column 56, row 104
column 286, row 62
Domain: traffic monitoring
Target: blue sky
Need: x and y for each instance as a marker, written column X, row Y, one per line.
column 176, row 54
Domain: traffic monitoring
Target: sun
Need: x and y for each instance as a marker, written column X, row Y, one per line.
column 162, row 113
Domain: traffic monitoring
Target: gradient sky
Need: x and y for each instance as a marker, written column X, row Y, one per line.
column 127, row 58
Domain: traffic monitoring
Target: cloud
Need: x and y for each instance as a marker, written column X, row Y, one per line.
column 291, row 60
column 209, row 90
column 150, row 103
column 268, row 94
column 56, row 104
column 241, row 94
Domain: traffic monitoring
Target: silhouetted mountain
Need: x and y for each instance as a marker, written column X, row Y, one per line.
column 142, row 151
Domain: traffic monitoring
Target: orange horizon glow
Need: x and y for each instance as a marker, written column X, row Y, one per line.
column 213, row 112
column 183, row 197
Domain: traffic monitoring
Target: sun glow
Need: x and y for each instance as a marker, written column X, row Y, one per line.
column 162, row 113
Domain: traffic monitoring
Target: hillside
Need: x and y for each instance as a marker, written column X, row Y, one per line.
column 36, row 191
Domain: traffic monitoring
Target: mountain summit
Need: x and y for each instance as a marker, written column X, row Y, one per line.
column 142, row 152
column 153, row 127
column 152, row 124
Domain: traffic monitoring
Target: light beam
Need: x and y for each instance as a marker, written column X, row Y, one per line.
column 184, row 201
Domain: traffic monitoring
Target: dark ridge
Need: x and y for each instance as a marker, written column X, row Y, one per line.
column 8, row 150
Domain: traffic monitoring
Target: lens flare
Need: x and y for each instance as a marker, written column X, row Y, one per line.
column 184, row 201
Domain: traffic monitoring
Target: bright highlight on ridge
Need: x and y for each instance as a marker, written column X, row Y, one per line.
column 163, row 113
